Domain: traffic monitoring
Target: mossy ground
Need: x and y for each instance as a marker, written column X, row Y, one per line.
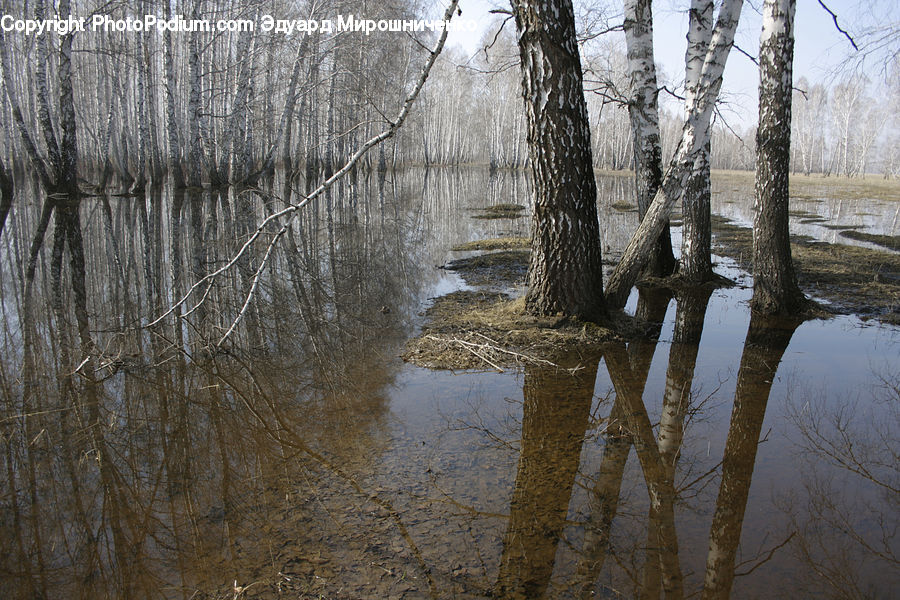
column 504, row 243
column 500, row 211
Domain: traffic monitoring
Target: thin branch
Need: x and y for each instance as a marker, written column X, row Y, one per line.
column 594, row 35
column 671, row 93
column 496, row 37
column 837, row 26
column 747, row 54
column 764, row 560
column 291, row 209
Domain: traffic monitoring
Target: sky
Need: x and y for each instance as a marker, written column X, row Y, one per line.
column 818, row 52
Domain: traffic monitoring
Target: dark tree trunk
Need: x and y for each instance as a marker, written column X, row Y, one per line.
column 172, row 124
column 775, row 288
column 6, row 194
column 565, row 274
column 67, row 180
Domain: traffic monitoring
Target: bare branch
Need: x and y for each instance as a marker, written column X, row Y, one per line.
column 747, row 54
column 837, row 26
column 292, row 209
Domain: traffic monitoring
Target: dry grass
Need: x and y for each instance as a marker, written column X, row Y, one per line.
column 500, row 211
column 816, row 187
column 505, row 243
column 479, row 330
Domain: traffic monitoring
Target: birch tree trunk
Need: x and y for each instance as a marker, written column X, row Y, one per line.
column 694, row 136
column 696, row 261
column 642, row 109
column 195, row 152
column 565, row 274
column 171, row 115
column 43, row 96
column 67, row 180
column 775, row 287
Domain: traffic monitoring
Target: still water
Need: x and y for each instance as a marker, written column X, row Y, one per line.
column 304, row 459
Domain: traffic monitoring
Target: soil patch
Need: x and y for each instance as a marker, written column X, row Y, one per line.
column 855, row 280
column 504, row 269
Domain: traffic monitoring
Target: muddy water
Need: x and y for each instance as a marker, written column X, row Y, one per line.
column 304, row 459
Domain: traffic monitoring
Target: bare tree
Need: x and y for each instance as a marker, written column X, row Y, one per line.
column 775, row 288
column 565, row 274
column 642, row 108
column 695, row 134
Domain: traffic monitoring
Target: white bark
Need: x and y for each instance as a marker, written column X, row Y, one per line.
column 694, row 136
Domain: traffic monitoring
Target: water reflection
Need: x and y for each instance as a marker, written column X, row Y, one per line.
column 767, row 339
column 556, row 415
column 303, row 458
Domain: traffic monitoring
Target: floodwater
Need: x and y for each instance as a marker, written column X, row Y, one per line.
column 303, row 459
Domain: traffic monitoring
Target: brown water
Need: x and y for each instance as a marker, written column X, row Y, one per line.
column 305, row 459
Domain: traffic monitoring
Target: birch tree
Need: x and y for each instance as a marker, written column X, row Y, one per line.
column 775, row 287
column 565, row 274
column 644, row 115
column 694, row 136
column 696, row 261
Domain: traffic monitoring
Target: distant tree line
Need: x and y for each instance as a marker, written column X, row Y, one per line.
column 473, row 114
column 207, row 107
column 225, row 107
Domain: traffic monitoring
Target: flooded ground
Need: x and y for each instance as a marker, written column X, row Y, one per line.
column 304, row 459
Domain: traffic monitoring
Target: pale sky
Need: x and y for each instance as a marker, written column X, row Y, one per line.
column 818, row 52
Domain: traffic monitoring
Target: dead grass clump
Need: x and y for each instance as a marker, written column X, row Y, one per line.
column 500, row 211
column 476, row 330
column 891, row 242
column 504, row 243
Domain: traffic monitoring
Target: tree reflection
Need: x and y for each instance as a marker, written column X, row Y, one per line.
column 767, row 339
column 556, row 415
column 604, row 498
column 137, row 461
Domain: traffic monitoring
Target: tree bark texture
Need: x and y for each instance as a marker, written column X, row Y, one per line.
column 775, row 288
column 696, row 261
column 696, row 256
column 694, row 135
column 565, row 274
column 644, row 115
